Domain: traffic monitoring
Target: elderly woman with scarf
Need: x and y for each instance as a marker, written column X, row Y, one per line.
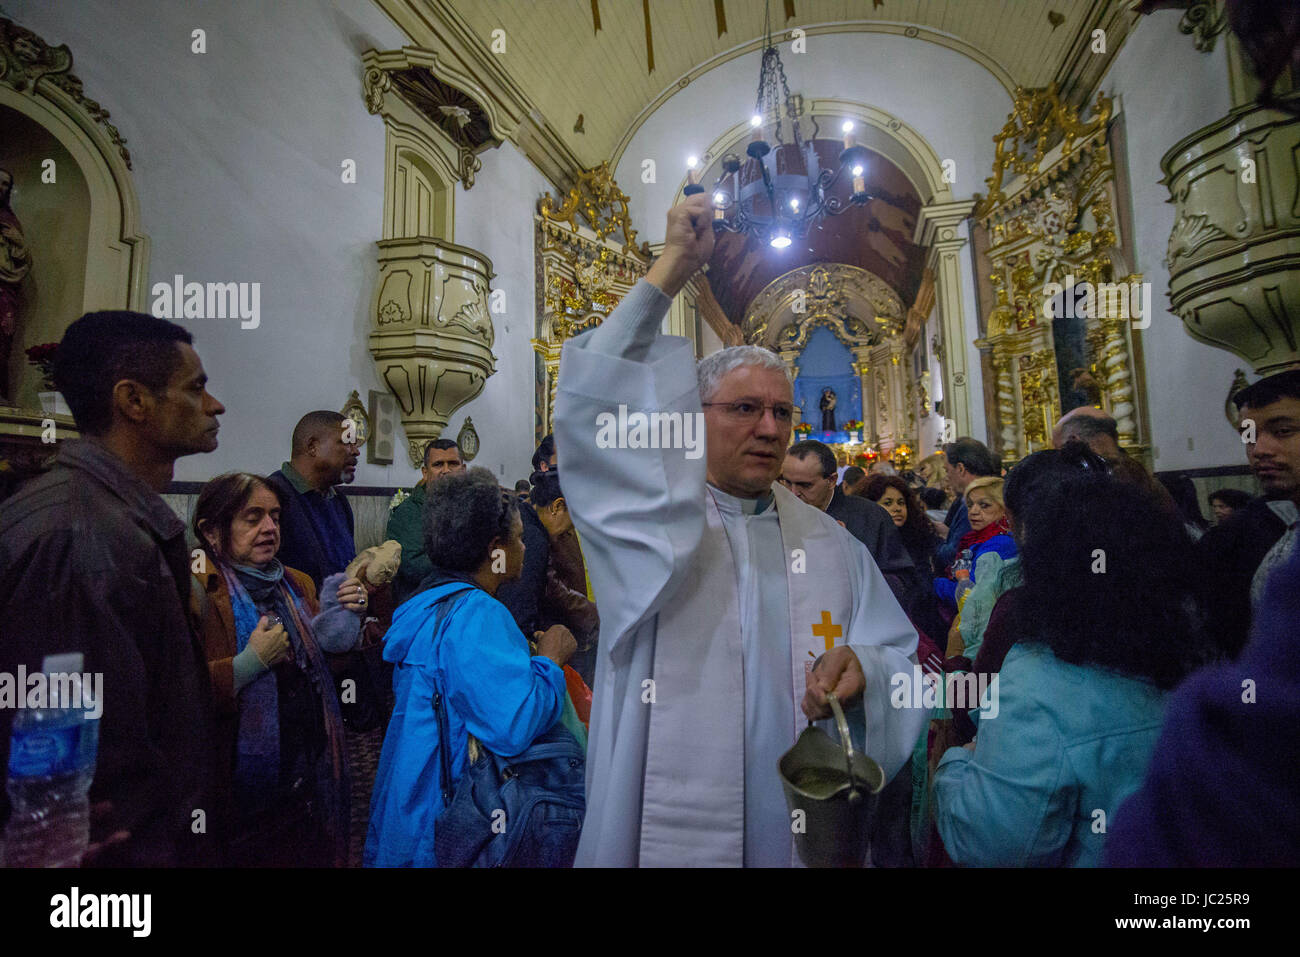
column 989, row 532
column 282, row 778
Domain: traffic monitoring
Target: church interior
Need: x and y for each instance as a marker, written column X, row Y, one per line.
column 945, row 218
column 432, row 196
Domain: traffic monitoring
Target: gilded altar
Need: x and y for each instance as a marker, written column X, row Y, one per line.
column 1065, row 322
column 587, row 261
column 867, row 317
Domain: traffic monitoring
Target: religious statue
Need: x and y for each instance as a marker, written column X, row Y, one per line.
column 15, row 263
column 827, row 405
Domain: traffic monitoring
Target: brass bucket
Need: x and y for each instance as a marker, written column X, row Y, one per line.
column 836, row 790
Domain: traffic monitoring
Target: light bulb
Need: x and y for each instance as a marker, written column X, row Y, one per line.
column 780, row 241
column 692, row 161
column 755, row 120
column 857, row 171
column 847, row 127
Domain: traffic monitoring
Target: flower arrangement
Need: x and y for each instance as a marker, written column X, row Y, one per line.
column 803, row 428
column 42, row 357
column 853, row 425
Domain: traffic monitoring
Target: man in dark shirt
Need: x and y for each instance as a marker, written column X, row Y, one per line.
column 964, row 461
column 92, row 560
column 1238, row 555
column 316, row 537
column 316, row 524
column 809, row 471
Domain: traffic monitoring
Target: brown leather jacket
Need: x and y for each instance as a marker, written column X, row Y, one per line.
column 93, row 560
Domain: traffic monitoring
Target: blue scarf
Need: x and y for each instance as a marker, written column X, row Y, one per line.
column 255, row 592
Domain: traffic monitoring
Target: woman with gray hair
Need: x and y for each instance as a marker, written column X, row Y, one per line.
column 472, row 655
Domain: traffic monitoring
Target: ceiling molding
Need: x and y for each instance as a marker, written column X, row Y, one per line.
column 1082, row 70
column 910, row 31
column 437, row 26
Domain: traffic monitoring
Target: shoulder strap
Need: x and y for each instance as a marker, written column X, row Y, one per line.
column 440, row 705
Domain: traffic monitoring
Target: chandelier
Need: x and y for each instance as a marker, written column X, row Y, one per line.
column 780, row 191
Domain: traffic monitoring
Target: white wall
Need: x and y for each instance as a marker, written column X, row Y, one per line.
column 947, row 98
column 1187, row 381
column 496, row 217
column 237, row 155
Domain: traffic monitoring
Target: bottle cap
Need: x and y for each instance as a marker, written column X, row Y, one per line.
column 68, row 663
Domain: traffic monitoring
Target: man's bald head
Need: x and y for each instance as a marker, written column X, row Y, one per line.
column 314, row 425
column 1091, row 426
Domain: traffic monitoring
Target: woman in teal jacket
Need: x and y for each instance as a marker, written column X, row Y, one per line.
column 495, row 689
column 1109, row 625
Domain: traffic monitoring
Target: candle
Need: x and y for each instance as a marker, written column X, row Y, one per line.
column 849, row 139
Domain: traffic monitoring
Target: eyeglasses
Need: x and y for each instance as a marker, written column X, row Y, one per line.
column 745, row 410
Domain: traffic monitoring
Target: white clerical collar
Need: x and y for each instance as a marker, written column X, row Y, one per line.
column 746, row 506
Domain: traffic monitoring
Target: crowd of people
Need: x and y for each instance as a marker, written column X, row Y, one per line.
column 635, row 625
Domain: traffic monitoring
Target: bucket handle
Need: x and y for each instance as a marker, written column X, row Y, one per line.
column 846, row 742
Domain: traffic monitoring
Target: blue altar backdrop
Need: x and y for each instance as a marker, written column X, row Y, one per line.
column 827, row 363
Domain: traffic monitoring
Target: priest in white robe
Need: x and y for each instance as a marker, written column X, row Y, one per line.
column 718, row 589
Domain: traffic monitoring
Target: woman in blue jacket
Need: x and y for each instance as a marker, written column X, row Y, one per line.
column 495, row 689
column 1108, row 626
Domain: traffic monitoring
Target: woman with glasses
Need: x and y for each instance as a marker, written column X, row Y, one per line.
column 473, row 656
column 281, row 772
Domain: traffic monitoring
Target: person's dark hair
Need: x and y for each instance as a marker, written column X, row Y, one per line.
column 1234, row 498
column 917, row 526
column 220, row 500
column 973, row 454
column 441, row 444
column 1034, row 473
column 544, row 452
column 311, row 425
column 1139, row 616
column 852, row 475
column 801, row 450
column 1183, row 491
column 522, row 487
column 463, row 514
column 1270, row 389
column 932, row 497
column 546, row 488
column 101, row 349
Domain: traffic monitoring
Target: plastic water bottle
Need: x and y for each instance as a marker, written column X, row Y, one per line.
column 52, row 755
column 961, row 570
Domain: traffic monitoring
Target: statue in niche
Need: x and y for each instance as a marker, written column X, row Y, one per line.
column 827, row 405
column 15, row 263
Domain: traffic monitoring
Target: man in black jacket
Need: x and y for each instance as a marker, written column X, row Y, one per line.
column 1239, row 554
column 92, row 560
column 809, row 471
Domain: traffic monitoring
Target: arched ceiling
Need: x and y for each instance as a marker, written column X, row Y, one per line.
column 561, row 64
column 876, row 237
